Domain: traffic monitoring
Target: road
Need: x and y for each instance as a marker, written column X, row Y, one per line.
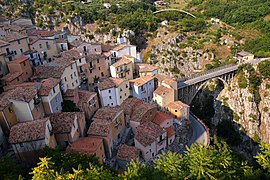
column 199, row 132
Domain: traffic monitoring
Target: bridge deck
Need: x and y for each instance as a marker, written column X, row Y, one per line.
column 213, row 73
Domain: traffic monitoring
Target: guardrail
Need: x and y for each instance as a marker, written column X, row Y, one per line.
column 204, row 126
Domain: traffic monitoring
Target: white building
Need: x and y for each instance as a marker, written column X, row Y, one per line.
column 113, row 91
column 143, row 88
column 125, row 49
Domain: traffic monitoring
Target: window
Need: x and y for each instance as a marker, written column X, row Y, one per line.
column 76, row 81
column 53, row 90
column 73, row 124
column 97, row 60
column 141, row 88
column 19, row 42
column 125, row 94
column 10, row 110
column 47, row 45
column 112, row 104
column 90, row 71
column 175, row 110
column 75, row 74
column 71, row 66
column 26, row 73
column 95, row 49
column 110, row 97
column 121, row 90
column 21, row 50
column 71, row 76
column 72, row 84
column 57, row 108
column 150, row 150
column 98, row 68
column 120, row 97
column 65, row 79
column 80, row 60
column 109, row 91
column 102, row 74
column 24, row 63
column 15, row 52
column 56, row 99
column 21, row 144
column 40, row 46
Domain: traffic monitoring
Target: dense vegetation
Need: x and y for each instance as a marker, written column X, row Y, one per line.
column 217, row 161
column 244, row 14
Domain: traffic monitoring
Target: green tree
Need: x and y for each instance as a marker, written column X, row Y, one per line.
column 263, row 158
column 69, row 106
column 9, row 169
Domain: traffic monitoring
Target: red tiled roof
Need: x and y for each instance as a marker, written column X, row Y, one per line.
column 61, row 40
column 177, row 105
column 127, row 153
column 62, row 122
column 140, row 111
column 141, row 80
column 11, row 76
column 161, row 117
column 148, row 132
column 170, row 132
column 28, row 131
column 85, row 145
column 163, row 90
column 20, row 60
column 110, row 83
column 129, row 104
column 47, row 85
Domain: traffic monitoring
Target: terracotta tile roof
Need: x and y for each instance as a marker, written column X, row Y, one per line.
column 94, row 57
column 163, row 91
column 33, row 39
column 161, row 117
column 107, row 113
column 120, row 46
column 84, row 97
column 10, row 37
column 73, row 54
column 170, row 132
column 146, row 67
column 22, row 93
column 47, row 86
column 61, row 40
column 140, row 111
column 110, row 82
column 19, row 60
column 76, row 43
column 47, row 71
column 148, row 132
column 11, row 76
column 62, row 61
column 4, row 100
column 127, row 153
column 85, row 145
column 13, row 27
column 62, row 122
column 129, row 104
column 141, row 80
column 122, row 61
column 106, row 47
column 177, row 105
column 243, row 53
column 28, row 131
column 43, row 33
column 165, row 79
column 99, row 128
column 70, row 93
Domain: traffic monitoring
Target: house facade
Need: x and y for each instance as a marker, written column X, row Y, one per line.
column 150, row 139
column 109, row 124
column 29, row 138
column 123, row 68
column 113, row 91
column 67, row 127
column 51, row 96
column 21, row 65
column 143, row 88
column 163, row 95
column 178, row 109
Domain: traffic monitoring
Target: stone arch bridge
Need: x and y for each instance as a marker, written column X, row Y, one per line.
column 179, row 10
column 189, row 87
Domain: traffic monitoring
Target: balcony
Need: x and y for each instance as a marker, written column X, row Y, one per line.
column 92, row 67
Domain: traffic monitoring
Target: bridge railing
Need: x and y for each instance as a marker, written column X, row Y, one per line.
column 206, row 72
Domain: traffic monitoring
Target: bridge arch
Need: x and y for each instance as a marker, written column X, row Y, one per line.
column 179, row 10
column 226, row 85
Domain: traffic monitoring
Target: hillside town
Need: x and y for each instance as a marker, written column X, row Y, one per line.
column 95, row 99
